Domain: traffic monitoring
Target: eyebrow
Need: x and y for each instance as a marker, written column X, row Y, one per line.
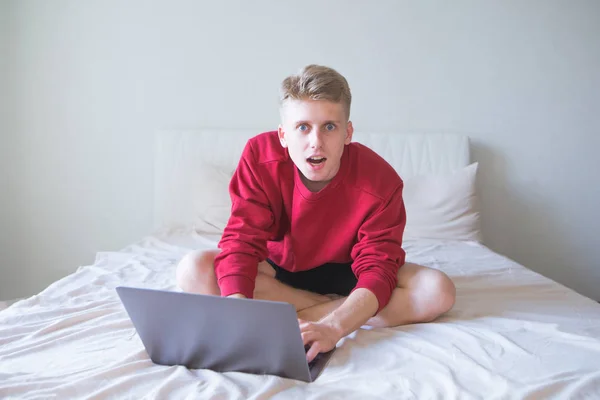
column 324, row 123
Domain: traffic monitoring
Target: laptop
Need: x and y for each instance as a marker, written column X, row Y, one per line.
column 220, row 333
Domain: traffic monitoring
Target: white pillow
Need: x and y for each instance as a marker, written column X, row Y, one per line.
column 437, row 206
column 211, row 199
column 442, row 206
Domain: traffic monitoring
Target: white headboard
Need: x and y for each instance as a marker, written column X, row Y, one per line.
column 186, row 163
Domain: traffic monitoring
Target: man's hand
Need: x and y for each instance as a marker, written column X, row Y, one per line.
column 237, row 296
column 321, row 336
column 349, row 316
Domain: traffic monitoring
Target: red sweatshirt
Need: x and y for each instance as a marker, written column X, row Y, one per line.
column 358, row 217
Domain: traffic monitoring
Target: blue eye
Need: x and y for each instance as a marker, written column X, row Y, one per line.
column 303, row 128
column 330, row 127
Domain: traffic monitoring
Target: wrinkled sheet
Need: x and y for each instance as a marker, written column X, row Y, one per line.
column 511, row 334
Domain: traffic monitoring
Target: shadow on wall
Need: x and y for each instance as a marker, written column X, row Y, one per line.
column 518, row 222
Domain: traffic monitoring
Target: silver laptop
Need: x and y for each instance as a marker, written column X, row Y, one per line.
column 220, row 333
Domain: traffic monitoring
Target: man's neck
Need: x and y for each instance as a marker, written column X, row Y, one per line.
column 313, row 186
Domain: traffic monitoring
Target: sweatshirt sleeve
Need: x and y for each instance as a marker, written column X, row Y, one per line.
column 244, row 241
column 378, row 254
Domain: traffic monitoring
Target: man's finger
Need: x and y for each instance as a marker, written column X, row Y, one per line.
column 313, row 351
column 310, row 336
column 305, row 326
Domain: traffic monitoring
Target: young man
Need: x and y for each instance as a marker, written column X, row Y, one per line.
column 317, row 221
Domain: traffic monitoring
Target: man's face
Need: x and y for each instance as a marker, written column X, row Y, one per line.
column 315, row 132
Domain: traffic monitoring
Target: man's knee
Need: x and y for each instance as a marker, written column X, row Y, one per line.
column 194, row 267
column 439, row 293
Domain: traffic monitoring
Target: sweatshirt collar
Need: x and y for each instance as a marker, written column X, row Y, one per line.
column 337, row 179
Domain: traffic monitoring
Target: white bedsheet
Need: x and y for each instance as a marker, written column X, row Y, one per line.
column 511, row 334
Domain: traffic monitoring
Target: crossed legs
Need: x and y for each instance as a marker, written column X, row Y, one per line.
column 422, row 295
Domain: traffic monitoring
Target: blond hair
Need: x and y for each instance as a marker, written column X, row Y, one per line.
column 317, row 82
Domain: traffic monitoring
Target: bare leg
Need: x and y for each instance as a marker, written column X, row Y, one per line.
column 196, row 274
column 422, row 295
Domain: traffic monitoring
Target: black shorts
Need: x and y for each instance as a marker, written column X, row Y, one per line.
column 330, row 278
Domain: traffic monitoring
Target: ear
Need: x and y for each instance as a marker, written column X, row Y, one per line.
column 349, row 132
column 281, row 135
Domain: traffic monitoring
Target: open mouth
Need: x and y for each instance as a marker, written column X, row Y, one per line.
column 316, row 160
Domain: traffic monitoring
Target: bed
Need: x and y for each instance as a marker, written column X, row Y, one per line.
column 511, row 334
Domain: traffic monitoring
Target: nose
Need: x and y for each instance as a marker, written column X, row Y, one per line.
column 316, row 138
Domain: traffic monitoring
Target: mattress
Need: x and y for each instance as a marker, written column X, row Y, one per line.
column 511, row 334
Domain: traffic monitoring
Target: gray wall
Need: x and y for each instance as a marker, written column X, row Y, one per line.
column 95, row 79
column 9, row 270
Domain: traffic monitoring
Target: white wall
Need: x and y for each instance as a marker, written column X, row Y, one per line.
column 7, row 207
column 94, row 80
